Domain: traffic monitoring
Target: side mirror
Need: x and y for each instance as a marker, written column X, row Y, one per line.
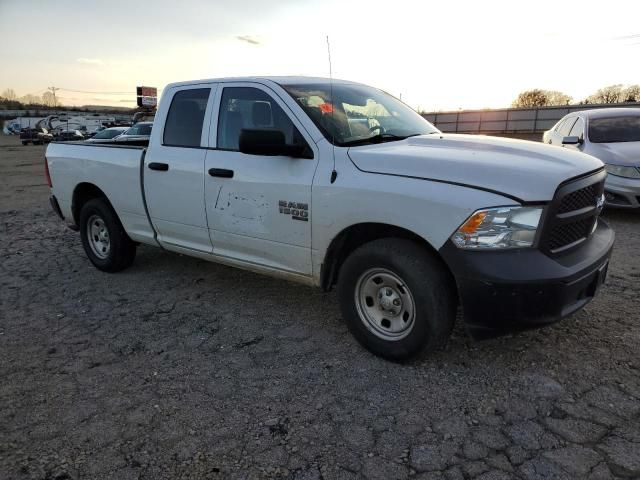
column 269, row 142
column 573, row 140
column 262, row 142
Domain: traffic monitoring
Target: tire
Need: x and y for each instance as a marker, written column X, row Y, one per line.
column 25, row 143
column 104, row 240
column 416, row 317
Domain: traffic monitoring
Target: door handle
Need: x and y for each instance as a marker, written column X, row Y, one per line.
column 162, row 167
column 221, row 172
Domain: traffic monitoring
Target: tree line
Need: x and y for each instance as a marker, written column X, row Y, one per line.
column 529, row 98
column 10, row 100
column 34, row 103
column 544, row 98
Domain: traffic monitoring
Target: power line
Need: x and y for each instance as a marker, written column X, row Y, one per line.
column 36, row 93
column 97, row 93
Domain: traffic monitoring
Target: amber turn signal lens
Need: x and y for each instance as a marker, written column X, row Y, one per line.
column 471, row 225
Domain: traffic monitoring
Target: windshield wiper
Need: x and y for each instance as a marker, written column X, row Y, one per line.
column 378, row 138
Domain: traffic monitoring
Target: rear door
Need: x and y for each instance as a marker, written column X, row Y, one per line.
column 258, row 207
column 174, row 168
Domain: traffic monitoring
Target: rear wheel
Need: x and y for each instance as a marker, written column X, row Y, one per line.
column 104, row 240
column 25, row 143
column 397, row 298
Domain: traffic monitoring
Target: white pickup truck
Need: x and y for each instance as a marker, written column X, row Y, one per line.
column 337, row 183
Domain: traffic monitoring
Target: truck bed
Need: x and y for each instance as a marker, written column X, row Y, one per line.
column 114, row 169
column 109, row 143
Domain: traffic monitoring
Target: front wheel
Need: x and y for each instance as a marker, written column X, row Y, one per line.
column 397, row 298
column 104, row 240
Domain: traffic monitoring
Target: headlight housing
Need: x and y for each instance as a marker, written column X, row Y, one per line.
column 620, row 171
column 499, row 228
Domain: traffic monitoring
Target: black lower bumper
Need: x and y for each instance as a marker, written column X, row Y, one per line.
column 515, row 290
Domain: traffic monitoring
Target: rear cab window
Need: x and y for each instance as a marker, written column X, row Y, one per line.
column 183, row 126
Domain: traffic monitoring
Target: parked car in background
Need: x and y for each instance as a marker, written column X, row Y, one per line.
column 107, row 135
column 69, row 136
column 37, row 136
column 613, row 136
column 138, row 134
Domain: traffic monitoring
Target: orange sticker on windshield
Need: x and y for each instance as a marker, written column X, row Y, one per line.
column 326, row 108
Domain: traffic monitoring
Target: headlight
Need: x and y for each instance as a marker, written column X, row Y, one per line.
column 503, row 227
column 620, row 171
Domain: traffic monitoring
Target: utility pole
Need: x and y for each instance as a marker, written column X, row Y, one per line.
column 53, row 90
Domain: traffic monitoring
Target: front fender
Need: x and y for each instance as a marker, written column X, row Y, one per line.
column 431, row 210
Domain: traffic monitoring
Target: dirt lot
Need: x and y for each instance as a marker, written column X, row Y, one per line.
column 177, row 368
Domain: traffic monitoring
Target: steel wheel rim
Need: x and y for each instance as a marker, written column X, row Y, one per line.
column 98, row 237
column 385, row 304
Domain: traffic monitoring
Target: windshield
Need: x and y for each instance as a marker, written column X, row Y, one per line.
column 139, row 130
column 358, row 114
column 615, row 129
column 108, row 133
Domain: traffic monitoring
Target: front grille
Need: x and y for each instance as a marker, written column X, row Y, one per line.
column 573, row 213
column 579, row 199
column 563, row 235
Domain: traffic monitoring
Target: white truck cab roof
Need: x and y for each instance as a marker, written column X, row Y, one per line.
column 280, row 80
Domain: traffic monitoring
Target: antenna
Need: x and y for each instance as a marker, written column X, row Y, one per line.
column 334, row 174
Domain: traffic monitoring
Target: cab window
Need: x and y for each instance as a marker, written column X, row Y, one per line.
column 183, row 127
column 251, row 108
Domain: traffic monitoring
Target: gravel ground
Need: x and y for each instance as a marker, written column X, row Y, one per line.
column 178, row 368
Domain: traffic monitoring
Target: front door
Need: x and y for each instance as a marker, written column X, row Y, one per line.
column 259, row 207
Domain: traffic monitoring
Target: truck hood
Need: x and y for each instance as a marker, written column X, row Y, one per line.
column 528, row 171
column 620, row 153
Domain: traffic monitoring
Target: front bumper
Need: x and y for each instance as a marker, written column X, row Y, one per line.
column 621, row 192
column 511, row 290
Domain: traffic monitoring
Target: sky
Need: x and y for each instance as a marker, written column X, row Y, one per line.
column 446, row 55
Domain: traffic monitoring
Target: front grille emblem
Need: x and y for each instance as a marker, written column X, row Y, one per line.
column 600, row 203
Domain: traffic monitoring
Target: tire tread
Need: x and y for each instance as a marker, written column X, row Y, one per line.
column 418, row 267
column 122, row 250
